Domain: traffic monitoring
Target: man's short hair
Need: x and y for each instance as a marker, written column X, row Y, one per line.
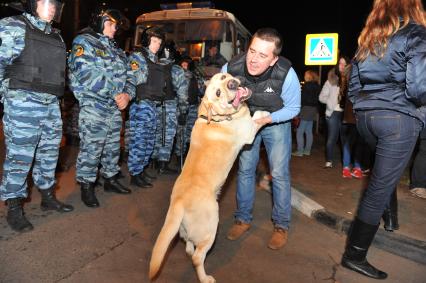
column 271, row 35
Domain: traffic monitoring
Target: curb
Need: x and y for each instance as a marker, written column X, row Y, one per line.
column 395, row 243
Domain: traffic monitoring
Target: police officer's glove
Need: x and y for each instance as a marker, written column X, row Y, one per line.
column 181, row 119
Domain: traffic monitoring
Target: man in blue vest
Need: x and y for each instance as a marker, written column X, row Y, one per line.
column 275, row 89
column 32, row 78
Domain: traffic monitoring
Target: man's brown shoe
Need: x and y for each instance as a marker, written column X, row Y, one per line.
column 278, row 239
column 237, row 230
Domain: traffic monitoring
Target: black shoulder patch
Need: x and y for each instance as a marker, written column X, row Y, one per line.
column 0, row 41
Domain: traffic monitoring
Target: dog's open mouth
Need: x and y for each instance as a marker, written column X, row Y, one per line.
column 240, row 95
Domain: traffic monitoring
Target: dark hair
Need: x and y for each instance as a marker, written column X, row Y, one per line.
column 271, row 35
column 336, row 68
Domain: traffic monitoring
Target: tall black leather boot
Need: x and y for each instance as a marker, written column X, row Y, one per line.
column 112, row 185
column 15, row 216
column 49, row 201
column 163, row 168
column 88, row 194
column 360, row 238
column 390, row 215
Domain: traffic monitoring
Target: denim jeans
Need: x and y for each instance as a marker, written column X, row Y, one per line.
column 393, row 135
column 305, row 127
column 277, row 141
column 349, row 137
column 333, row 130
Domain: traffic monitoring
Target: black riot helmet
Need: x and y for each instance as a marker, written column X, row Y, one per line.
column 187, row 59
column 100, row 17
column 155, row 31
column 47, row 10
column 169, row 51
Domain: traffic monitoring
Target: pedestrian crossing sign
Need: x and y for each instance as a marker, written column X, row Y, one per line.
column 321, row 49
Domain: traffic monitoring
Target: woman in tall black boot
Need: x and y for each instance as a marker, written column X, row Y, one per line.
column 390, row 215
column 388, row 92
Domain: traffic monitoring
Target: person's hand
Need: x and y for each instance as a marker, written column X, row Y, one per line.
column 122, row 100
column 263, row 121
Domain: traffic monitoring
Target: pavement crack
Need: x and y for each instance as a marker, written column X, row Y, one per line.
column 332, row 277
column 98, row 255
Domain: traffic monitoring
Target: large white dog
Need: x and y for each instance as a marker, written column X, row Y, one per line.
column 224, row 126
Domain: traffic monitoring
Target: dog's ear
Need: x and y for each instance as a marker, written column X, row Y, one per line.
column 208, row 107
column 205, row 109
column 206, row 83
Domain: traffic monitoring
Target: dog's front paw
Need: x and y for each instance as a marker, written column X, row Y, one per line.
column 260, row 114
column 209, row 279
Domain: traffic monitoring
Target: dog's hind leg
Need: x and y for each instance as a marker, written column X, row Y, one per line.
column 198, row 259
column 189, row 248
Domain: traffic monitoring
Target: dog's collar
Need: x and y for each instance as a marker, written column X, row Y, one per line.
column 225, row 118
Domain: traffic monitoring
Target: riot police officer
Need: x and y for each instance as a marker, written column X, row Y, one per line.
column 103, row 83
column 32, row 78
column 161, row 87
column 196, row 90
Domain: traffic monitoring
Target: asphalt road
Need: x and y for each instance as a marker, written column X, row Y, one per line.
column 113, row 244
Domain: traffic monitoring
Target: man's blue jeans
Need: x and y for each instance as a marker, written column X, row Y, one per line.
column 277, row 141
column 305, row 127
column 393, row 135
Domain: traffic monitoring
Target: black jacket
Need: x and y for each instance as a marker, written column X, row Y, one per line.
column 310, row 93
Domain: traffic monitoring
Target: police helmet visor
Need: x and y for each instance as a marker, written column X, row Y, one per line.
column 116, row 17
column 48, row 10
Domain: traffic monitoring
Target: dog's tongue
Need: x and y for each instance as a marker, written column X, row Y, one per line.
column 239, row 96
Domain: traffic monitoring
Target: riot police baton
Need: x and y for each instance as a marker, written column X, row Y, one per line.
column 163, row 123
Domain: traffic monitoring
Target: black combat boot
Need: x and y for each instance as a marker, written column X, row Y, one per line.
column 140, row 181
column 163, row 168
column 360, row 238
column 390, row 215
column 88, row 194
column 49, row 201
column 148, row 177
column 15, row 216
column 112, row 185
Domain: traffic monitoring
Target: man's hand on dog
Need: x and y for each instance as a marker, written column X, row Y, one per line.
column 263, row 121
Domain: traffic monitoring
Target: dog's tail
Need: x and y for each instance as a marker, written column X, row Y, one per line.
column 168, row 232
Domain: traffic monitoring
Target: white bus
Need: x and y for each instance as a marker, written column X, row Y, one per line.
column 194, row 27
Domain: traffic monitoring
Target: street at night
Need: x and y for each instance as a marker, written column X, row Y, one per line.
column 116, row 114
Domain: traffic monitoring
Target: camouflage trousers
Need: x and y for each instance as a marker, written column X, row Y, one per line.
column 166, row 131
column 99, row 131
column 33, row 132
column 141, row 134
column 186, row 130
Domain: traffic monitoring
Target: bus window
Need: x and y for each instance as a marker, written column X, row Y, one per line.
column 194, row 30
column 180, row 31
column 241, row 44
